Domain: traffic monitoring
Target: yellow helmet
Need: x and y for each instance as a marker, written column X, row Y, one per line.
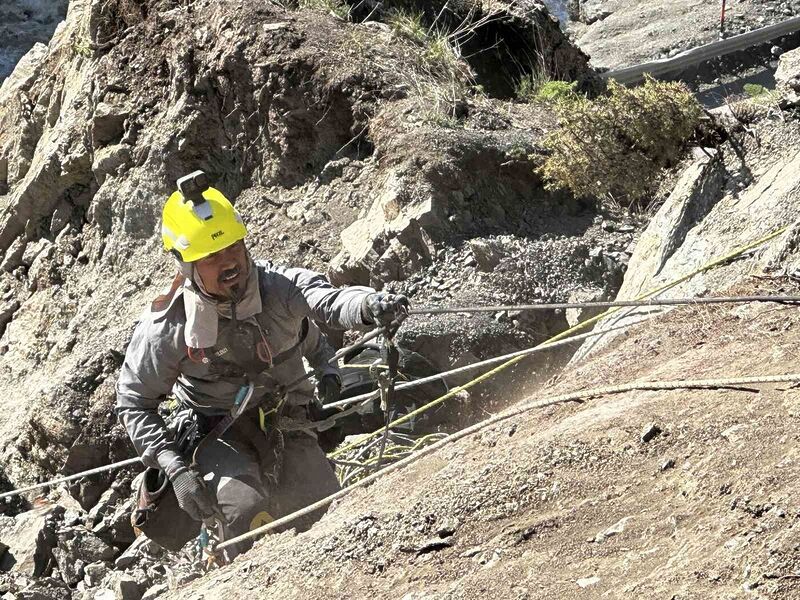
column 196, row 223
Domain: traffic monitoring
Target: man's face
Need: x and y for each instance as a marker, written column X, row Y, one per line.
column 224, row 273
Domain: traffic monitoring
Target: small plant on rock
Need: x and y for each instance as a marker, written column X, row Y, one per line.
column 528, row 86
column 409, row 25
column 617, row 144
column 82, row 47
column 441, row 78
column 555, row 92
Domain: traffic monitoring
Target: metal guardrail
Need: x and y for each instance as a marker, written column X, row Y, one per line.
column 701, row 54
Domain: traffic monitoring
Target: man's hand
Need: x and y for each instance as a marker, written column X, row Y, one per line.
column 192, row 494
column 382, row 309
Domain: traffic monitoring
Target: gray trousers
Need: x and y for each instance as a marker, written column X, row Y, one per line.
column 233, row 469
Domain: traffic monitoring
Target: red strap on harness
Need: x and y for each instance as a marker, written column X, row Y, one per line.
column 196, row 355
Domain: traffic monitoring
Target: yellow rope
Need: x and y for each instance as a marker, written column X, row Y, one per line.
column 560, row 336
column 518, row 410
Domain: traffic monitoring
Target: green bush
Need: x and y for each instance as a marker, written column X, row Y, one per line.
column 754, row 90
column 557, row 91
column 617, row 144
column 538, row 87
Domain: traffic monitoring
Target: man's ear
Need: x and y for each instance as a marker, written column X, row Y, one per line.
column 184, row 268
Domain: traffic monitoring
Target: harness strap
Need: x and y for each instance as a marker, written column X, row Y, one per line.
column 228, row 420
column 162, row 301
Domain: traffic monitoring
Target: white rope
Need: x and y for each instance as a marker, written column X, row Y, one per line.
column 111, row 467
column 480, row 365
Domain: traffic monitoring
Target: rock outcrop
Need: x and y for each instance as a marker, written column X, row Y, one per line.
column 337, row 164
column 24, row 24
column 718, row 205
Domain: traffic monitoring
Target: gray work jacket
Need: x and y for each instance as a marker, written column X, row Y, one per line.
column 158, row 362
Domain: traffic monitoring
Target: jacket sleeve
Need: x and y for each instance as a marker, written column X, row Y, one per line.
column 150, row 370
column 318, row 352
column 311, row 294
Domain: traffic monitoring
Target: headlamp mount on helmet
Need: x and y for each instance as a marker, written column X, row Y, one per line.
column 193, row 185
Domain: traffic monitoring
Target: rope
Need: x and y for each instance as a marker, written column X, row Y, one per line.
column 111, row 467
column 564, row 335
column 582, row 325
column 434, row 310
column 352, row 469
column 505, row 365
column 560, row 399
column 124, row 463
column 546, row 345
column 455, row 391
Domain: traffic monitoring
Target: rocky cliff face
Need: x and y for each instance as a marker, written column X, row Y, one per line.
column 290, row 114
column 314, row 124
column 24, row 23
column 340, row 162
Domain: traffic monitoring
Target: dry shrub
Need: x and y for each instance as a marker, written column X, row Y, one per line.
column 618, row 144
column 441, row 79
column 337, row 8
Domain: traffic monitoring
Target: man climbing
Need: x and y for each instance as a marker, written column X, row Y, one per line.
column 225, row 341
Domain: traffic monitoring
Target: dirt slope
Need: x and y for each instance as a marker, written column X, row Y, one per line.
column 705, row 509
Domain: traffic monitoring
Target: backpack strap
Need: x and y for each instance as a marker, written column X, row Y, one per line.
column 163, row 301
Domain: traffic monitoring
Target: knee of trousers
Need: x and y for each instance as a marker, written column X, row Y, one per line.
column 244, row 504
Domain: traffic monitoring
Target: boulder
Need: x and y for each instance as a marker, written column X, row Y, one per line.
column 787, row 75
column 367, row 241
column 76, row 549
column 29, row 539
column 94, row 573
column 108, row 123
column 126, row 588
column 592, row 11
column 24, row 73
column 109, row 161
column 486, row 254
column 702, row 221
column 33, row 251
column 13, row 256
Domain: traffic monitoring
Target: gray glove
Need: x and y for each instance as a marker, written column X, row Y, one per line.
column 382, row 308
column 192, row 494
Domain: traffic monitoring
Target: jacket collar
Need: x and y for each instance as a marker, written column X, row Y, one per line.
column 203, row 313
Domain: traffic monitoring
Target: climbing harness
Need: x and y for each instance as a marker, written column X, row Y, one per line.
column 240, row 404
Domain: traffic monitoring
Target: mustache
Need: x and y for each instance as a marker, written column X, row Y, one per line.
column 229, row 274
